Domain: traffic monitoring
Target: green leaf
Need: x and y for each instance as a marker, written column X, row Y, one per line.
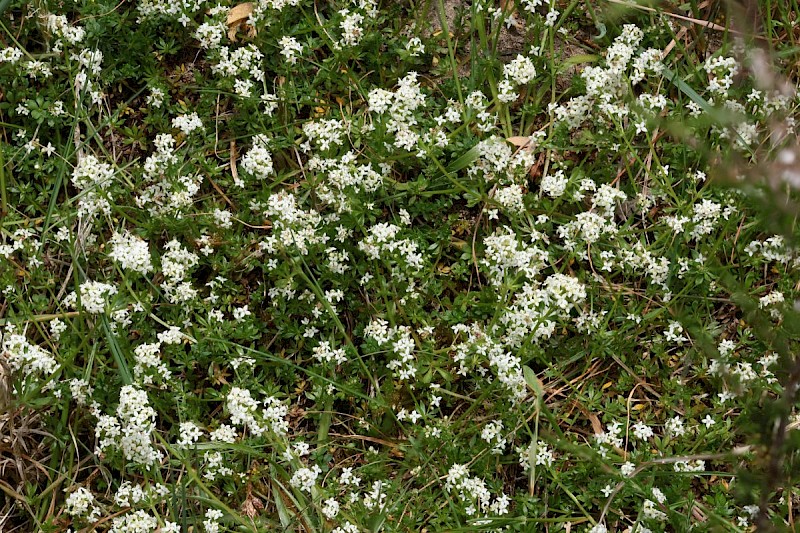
column 688, row 91
column 533, row 382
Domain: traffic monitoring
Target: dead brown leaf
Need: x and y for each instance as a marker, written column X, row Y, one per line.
column 237, row 18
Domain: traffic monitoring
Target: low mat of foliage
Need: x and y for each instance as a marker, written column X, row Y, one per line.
column 370, row 265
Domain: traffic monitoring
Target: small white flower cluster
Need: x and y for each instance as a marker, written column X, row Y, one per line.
column 61, row 28
column 158, row 162
column 224, row 433
column 605, row 199
column 376, row 498
column 330, row 508
column 706, row 215
column 24, row 356
column 415, row 47
column 588, row 227
column 772, row 249
column 166, row 195
column 642, row 431
column 721, row 71
column 641, row 259
column 91, row 60
column 536, row 453
column 511, row 199
column 342, row 177
column 242, row 63
column 479, row 348
column 170, row 9
column 651, row 512
column 156, row 97
column 675, row 427
column 130, row 430
column 11, row 55
column 492, row 434
column 149, row 364
column 305, row 478
column 554, row 185
column 347, row 527
column 57, row 327
column 606, row 87
column 476, row 101
column 131, row 252
column 402, row 345
column 506, row 255
column 211, row 523
column 610, row 438
column 564, row 292
column 772, row 300
column 80, row 390
column 135, row 522
column 210, row 34
column 696, row 465
column 94, row 295
column 674, row 333
column 90, row 174
column 290, row 48
column 497, row 163
column 215, row 466
column 293, row 227
column 244, row 412
column 324, row 133
column 520, row 71
column 381, row 242
column 175, row 265
column 81, row 504
column 472, row 492
column 352, row 32
column 324, row 353
column 598, row 528
column 401, row 106
column 257, row 161
column 22, row 240
column 130, row 495
column 187, row 123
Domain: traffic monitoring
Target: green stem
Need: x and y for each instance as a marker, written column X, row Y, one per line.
column 3, row 193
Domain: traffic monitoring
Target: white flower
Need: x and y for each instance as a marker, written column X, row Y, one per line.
column 554, row 185
column 94, row 295
column 224, row 433
column 81, row 503
column 210, row 35
column 134, row 522
column 330, row 509
column 675, row 427
column 29, row 358
column 90, row 173
column 80, row 390
column 130, row 431
column 597, row 528
column 290, row 48
column 187, row 123
column 131, row 252
column 415, row 47
column 10, row 55
column 258, row 161
column 351, row 27
column 305, row 478
column 240, row 313
column 520, row 70
column 189, row 434
column 627, row 469
column 642, row 431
